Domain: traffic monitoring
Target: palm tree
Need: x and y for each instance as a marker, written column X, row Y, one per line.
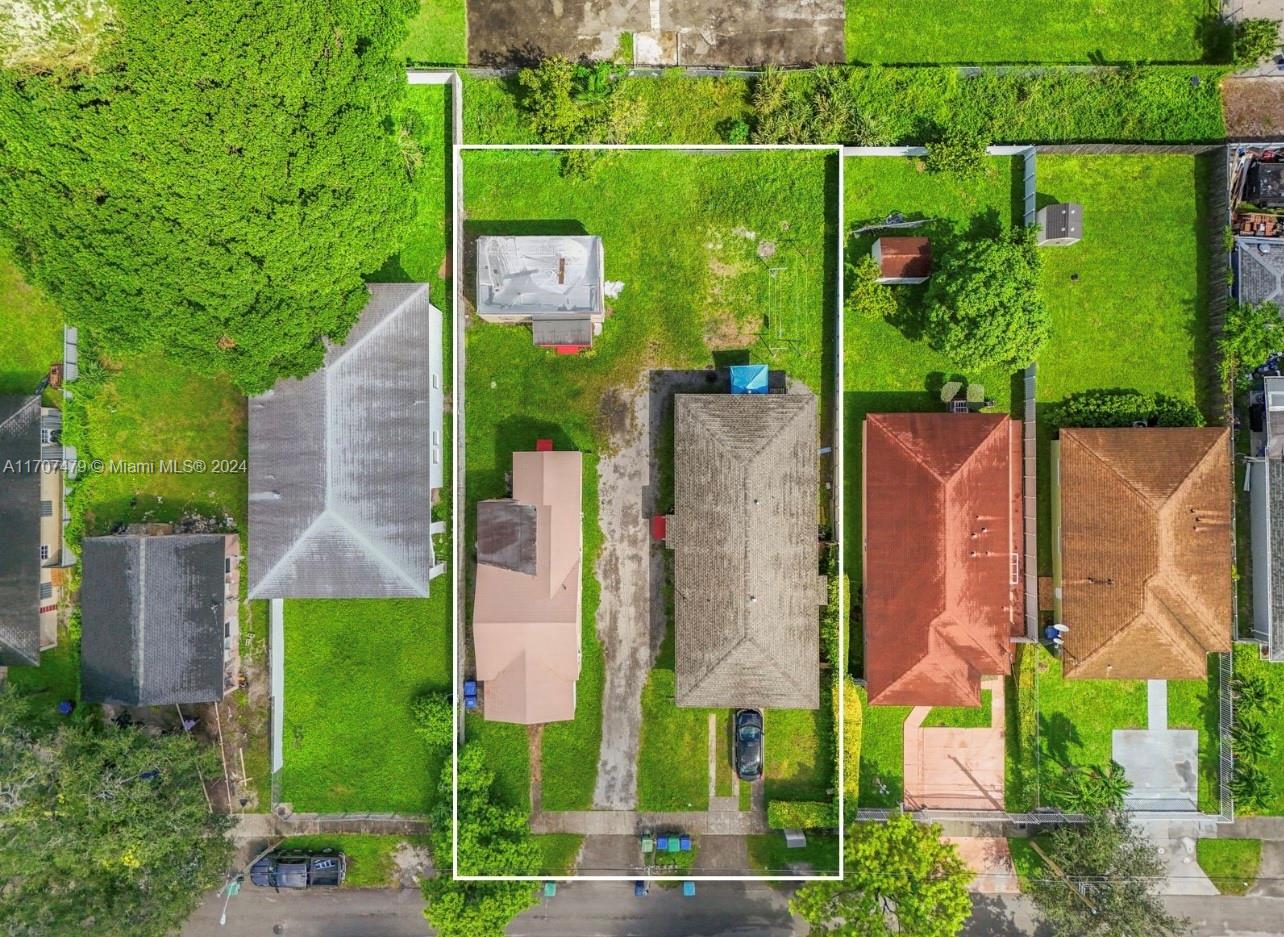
column 1250, row 739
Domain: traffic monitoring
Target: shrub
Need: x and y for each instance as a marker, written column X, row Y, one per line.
column 1250, row 335
column 735, row 131
column 434, row 719
column 830, row 614
column 802, row 815
column 984, row 304
column 960, row 152
column 868, row 298
column 853, row 723
column 1255, row 39
column 1094, row 789
column 1115, row 406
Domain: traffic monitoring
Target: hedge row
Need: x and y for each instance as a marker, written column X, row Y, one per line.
column 899, row 106
column 802, row 815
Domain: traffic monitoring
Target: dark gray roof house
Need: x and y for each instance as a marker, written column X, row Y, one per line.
column 343, row 463
column 747, row 586
column 1259, row 270
column 153, row 613
column 1266, row 499
column 19, row 531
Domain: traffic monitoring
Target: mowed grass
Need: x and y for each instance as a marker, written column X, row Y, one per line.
column 769, row 855
column 882, row 754
column 353, row 668
column 703, row 270
column 438, row 34
column 1248, row 662
column 1035, row 31
column 1076, row 720
column 673, row 753
column 1192, row 704
column 370, row 857
column 30, row 332
column 961, row 717
column 145, row 410
column 557, row 852
column 1232, row 864
column 889, row 368
column 1129, row 306
column 798, row 744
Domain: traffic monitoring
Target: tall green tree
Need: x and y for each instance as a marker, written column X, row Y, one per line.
column 216, row 181
column 103, row 830
column 984, row 303
column 493, row 840
column 1250, row 335
column 900, row 878
column 1111, row 871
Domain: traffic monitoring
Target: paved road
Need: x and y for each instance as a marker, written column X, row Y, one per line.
column 608, row 909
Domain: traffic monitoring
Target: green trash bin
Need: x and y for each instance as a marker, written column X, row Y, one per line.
column 647, row 843
column 674, row 845
column 550, row 889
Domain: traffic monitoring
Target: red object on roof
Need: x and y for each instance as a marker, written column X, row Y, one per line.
column 943, row 540
column 570, row 349
column 543, row 445
column 659, row 527
column 903, row 257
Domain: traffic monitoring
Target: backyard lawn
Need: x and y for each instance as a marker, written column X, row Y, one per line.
column 353, row 668
column 703, row 270
column 1041, row 31
column 438, row 34
column 31, row 330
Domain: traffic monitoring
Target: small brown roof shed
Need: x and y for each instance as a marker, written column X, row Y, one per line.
column 942, row 510
column 903, row 258
column 1145, row 551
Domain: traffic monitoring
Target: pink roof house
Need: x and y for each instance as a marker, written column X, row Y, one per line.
column 526, row 607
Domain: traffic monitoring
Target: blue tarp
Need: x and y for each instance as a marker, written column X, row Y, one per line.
column 748, row 378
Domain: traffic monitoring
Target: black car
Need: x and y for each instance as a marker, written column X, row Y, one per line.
column 300, row 870
column 748, row 744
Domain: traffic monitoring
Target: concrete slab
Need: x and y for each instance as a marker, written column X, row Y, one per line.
column 959, row 769
column 666, row 32
column 1156, row 704
column 991, row 860
column 1270, row 874
column 1175, row 843
column 1163, row 767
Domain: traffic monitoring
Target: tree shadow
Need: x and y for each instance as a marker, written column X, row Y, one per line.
column 1057, row 733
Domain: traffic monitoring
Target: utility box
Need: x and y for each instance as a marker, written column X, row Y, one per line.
column 1060, row 225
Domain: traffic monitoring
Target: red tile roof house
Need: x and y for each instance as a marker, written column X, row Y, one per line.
column 942, row 554
column 903, row 259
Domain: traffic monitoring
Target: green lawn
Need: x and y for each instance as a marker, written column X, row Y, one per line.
column 1192, row 704
column 707, row 290
column 1026, row 861
column 30, row 332
column 438, row 34
column 370, row 857
column 673, row 764
column 798, row 744
column 887, row 367
column 882, row 754
column 353, row 667
column 1076, row 719
column 961, row 717
column 1037, row 31
column 557, row 852
column 1231, row 863
column 768, row 853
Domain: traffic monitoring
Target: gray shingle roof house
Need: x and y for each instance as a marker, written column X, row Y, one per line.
column 344, row 462
column 159, row 618
column 1259, row 270
column 1266, row 497
column 747, row 588
column 30, row 528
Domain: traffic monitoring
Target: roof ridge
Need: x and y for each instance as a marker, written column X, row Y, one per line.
column 1114, row 470
column 302, row 538
column 27, row 402
column 900, row 443
column 375, row 549
column 346, row 350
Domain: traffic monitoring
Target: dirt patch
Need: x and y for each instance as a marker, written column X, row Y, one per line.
column 412, row 864
column 1254, row 107
column 671, row 32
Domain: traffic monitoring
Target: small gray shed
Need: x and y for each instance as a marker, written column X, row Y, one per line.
column 1060, row 225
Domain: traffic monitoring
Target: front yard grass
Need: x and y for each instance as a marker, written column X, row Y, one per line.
column 1192, row 704
column 370, row 857
column 897, row 32
column 558, row 852
column 31, row 330
column 353, row 667
column 1248, row 662
column 882, row 754
column 768, row 854
column 703, row 270
column 798, row 744
column 961, row 717
column 1232, row 864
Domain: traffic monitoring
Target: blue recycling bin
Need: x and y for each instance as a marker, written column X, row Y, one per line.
column 639, row 888
column 662, row 844
column 684, row 843
column 688, row 889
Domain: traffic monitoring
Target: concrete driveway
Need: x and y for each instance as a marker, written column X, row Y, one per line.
column 665, row 32
column 956, row 768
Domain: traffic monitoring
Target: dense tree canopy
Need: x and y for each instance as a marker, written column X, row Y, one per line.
column 984, row 304
column 103, row 830
column 217, row 181
column 1250, row 335
column 1109, row 874
column 900, row 878
column 493, row 840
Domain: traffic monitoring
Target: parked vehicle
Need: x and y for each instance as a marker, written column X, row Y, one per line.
column 298, row 870
column 748, row 744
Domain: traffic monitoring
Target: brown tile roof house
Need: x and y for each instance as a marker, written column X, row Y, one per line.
column 1145, row 551
column 942, row 510
column 526, row 606
column 903, row 259
column 746, row 556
